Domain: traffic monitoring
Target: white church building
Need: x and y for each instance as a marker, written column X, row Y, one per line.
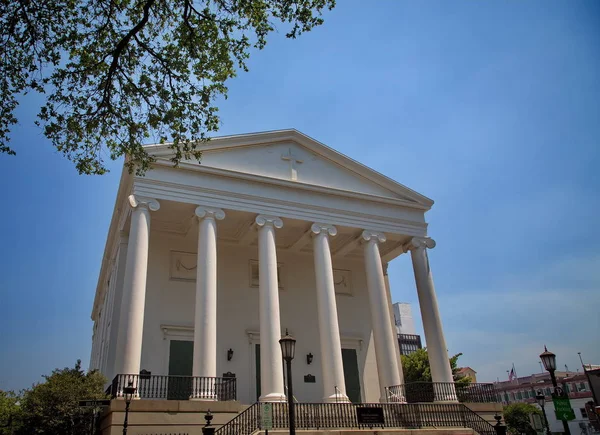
column 208, row 264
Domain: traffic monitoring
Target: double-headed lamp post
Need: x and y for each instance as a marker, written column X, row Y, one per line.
column 288, row 348
column 549, row 361
column 541, row 400
column 128, row 393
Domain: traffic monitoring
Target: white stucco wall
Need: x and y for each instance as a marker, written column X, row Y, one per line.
column 170, row 302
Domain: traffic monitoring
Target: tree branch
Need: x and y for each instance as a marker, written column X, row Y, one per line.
column 119, row 50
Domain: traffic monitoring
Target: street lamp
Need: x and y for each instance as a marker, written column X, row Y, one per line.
column 128, row 393
column 288, row 348
column 549, row 361
column 541, row 400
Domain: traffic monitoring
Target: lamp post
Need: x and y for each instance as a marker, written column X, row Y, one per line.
column 549, row 361
column 288, row 348
column 128, row 393
column 541, row 400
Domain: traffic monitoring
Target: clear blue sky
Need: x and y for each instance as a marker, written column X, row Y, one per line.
column 491, row 108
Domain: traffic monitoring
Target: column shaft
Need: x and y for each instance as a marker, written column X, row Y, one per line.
column 271, row 369
column 388, row 293
column 334, row 387
column 385, row 350
column 205, row 319
column 134, row 284
column 432, row 323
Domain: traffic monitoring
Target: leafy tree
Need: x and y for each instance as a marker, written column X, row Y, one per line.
column 516, row 417
column 10, row 412
column 416, row 367
column 52, row 407
column 118, row 72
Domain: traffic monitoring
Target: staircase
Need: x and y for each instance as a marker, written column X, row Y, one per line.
column 324, row 416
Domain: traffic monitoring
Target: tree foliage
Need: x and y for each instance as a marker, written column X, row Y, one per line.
column 416, row 367
column 52, row 407
column 118, row 72
column 10, row 412
column 516, row 416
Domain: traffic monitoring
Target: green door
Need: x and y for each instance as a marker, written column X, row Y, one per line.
column 181, row 358
column 257, row 360
column 351, row 376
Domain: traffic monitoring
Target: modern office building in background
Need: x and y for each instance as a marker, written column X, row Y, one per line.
column 408, row 339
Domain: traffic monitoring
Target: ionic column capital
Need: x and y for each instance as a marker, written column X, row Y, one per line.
column 327, row 229
column 263, row 220
column 209, row 213
column 419, row 243
column 375, row 236
column 136, row 201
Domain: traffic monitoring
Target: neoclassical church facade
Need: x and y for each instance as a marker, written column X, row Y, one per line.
column 208, row 264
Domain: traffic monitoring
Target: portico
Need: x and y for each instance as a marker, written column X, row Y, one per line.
column 272, row 231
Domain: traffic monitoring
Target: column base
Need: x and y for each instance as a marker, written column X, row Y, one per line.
column 336, row 398
column 273, row 397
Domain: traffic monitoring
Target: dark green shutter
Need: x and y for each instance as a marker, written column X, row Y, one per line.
column 351, row 375
column 181, row 360
column 257, row 360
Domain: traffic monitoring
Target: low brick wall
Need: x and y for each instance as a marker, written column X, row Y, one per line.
column 149, row 417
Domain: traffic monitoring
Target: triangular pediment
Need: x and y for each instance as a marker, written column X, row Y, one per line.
column 290, row 156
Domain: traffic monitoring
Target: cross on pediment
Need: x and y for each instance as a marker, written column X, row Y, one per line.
column 293, row 161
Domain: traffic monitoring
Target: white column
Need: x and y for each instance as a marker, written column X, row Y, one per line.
column 205, row 319
column 432, row 323
column 116, row 332
column 385, row 350
column 388, row 293
column 334, row 387
column 271, row 368
column 134, row 284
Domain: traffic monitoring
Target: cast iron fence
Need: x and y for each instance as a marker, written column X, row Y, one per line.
column 175, row 387
column 344, row 416
column 417, row 392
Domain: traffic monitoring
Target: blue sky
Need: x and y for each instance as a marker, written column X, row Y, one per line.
column 491, row 108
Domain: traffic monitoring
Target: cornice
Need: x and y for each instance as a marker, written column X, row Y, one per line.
column 291, row 184
column 261, row 205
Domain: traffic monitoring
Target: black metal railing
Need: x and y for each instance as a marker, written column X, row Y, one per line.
column 245, row 422
column 175, row 387
column 417, row 392
column 318, row 416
